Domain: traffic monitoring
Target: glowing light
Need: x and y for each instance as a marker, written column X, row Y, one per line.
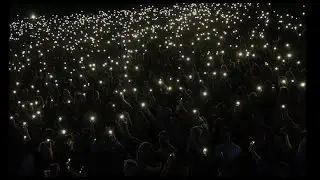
column 302, row 84
column 283, row 81
column 143, row 104
column 259, row 88
column 204, row 150
column 33, row 16
column 63, row 131
column 110, row 132
column 204, row 93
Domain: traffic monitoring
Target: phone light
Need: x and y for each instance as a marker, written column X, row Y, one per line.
column 110, row 132
column 205, row 93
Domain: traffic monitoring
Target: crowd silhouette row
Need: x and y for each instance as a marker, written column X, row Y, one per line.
column 182, row 90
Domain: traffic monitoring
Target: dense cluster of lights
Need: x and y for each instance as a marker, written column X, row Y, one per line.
column 117, row 44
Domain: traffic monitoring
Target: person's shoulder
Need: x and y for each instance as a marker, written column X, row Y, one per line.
column 236, row 145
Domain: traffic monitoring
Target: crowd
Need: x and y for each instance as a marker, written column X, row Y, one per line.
column 182, row 90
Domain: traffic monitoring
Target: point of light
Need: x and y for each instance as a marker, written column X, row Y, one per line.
column 110, row 132
column 33, row 16
column 259, row 88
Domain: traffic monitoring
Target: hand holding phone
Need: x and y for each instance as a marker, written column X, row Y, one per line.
column 251, row 145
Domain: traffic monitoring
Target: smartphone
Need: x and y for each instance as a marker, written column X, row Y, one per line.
column 252, row 143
